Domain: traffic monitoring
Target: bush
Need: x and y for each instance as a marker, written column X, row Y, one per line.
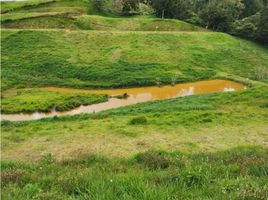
column 11, row 176
column 138, row 121
column 244, row 29
column 98, row 4
column 195, row 19
column 154, row 160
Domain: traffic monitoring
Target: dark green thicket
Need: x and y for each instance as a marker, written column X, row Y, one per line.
column 138, row 121
column 219, row 15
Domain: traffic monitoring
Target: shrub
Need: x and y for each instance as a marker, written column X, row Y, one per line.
column 11, row 176
column 154, row 160
column 138, row 121
column 98, row 4
column 244, row 29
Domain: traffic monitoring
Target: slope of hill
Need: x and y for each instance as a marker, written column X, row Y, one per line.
column 68, row 20
column 78, row 6
column 83, row 59
column 180, row 145
column 79, row 14
column 210, row 146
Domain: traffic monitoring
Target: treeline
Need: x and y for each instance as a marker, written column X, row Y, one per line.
column 243, row 18
column 122, row 7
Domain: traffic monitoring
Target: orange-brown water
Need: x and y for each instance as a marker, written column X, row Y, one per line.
column 136, row 95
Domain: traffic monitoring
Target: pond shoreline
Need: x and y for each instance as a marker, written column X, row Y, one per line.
column 135, row 95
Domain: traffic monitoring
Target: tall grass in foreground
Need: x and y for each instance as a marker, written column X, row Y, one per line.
column 239, row 173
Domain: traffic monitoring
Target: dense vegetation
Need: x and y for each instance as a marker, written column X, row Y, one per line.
column 31, row 100
column 245, row 18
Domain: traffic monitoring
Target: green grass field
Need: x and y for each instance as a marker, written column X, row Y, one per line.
column 181, row 146
column 13, row 6
column 81, row 59
column 78, row 6
column 67, row 20
column 231, row 174
column 31, row 100
column 211, row 146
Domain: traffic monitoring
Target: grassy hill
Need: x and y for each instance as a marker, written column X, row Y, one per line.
column 82, row 59
column 68, row 20
column 78, row 6
column 210, row 146
column 180, row 145
column 81, row 14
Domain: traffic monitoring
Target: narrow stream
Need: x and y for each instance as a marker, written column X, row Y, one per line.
column 136, row 95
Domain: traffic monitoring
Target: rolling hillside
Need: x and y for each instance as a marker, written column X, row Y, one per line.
column 211, row 146
column 82, row 59
column 137, row 51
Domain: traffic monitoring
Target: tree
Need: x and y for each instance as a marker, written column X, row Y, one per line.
column 98, row 4
column 180, row 9
column 130, row 6
column 251, row 7
column 162, row 8
column 262, row 31
column 220, row 14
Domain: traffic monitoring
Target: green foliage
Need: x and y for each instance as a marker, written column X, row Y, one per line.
column 98, row 5
column 251, row 7
column 262, row 31
column 130, row 7
column 245, row 29
column 138, row 121
column 218, row 15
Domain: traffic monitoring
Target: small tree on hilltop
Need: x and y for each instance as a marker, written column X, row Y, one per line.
column 98, row 4
column 130, row 6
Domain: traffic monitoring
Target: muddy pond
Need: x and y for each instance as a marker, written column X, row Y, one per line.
column 135, row 95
